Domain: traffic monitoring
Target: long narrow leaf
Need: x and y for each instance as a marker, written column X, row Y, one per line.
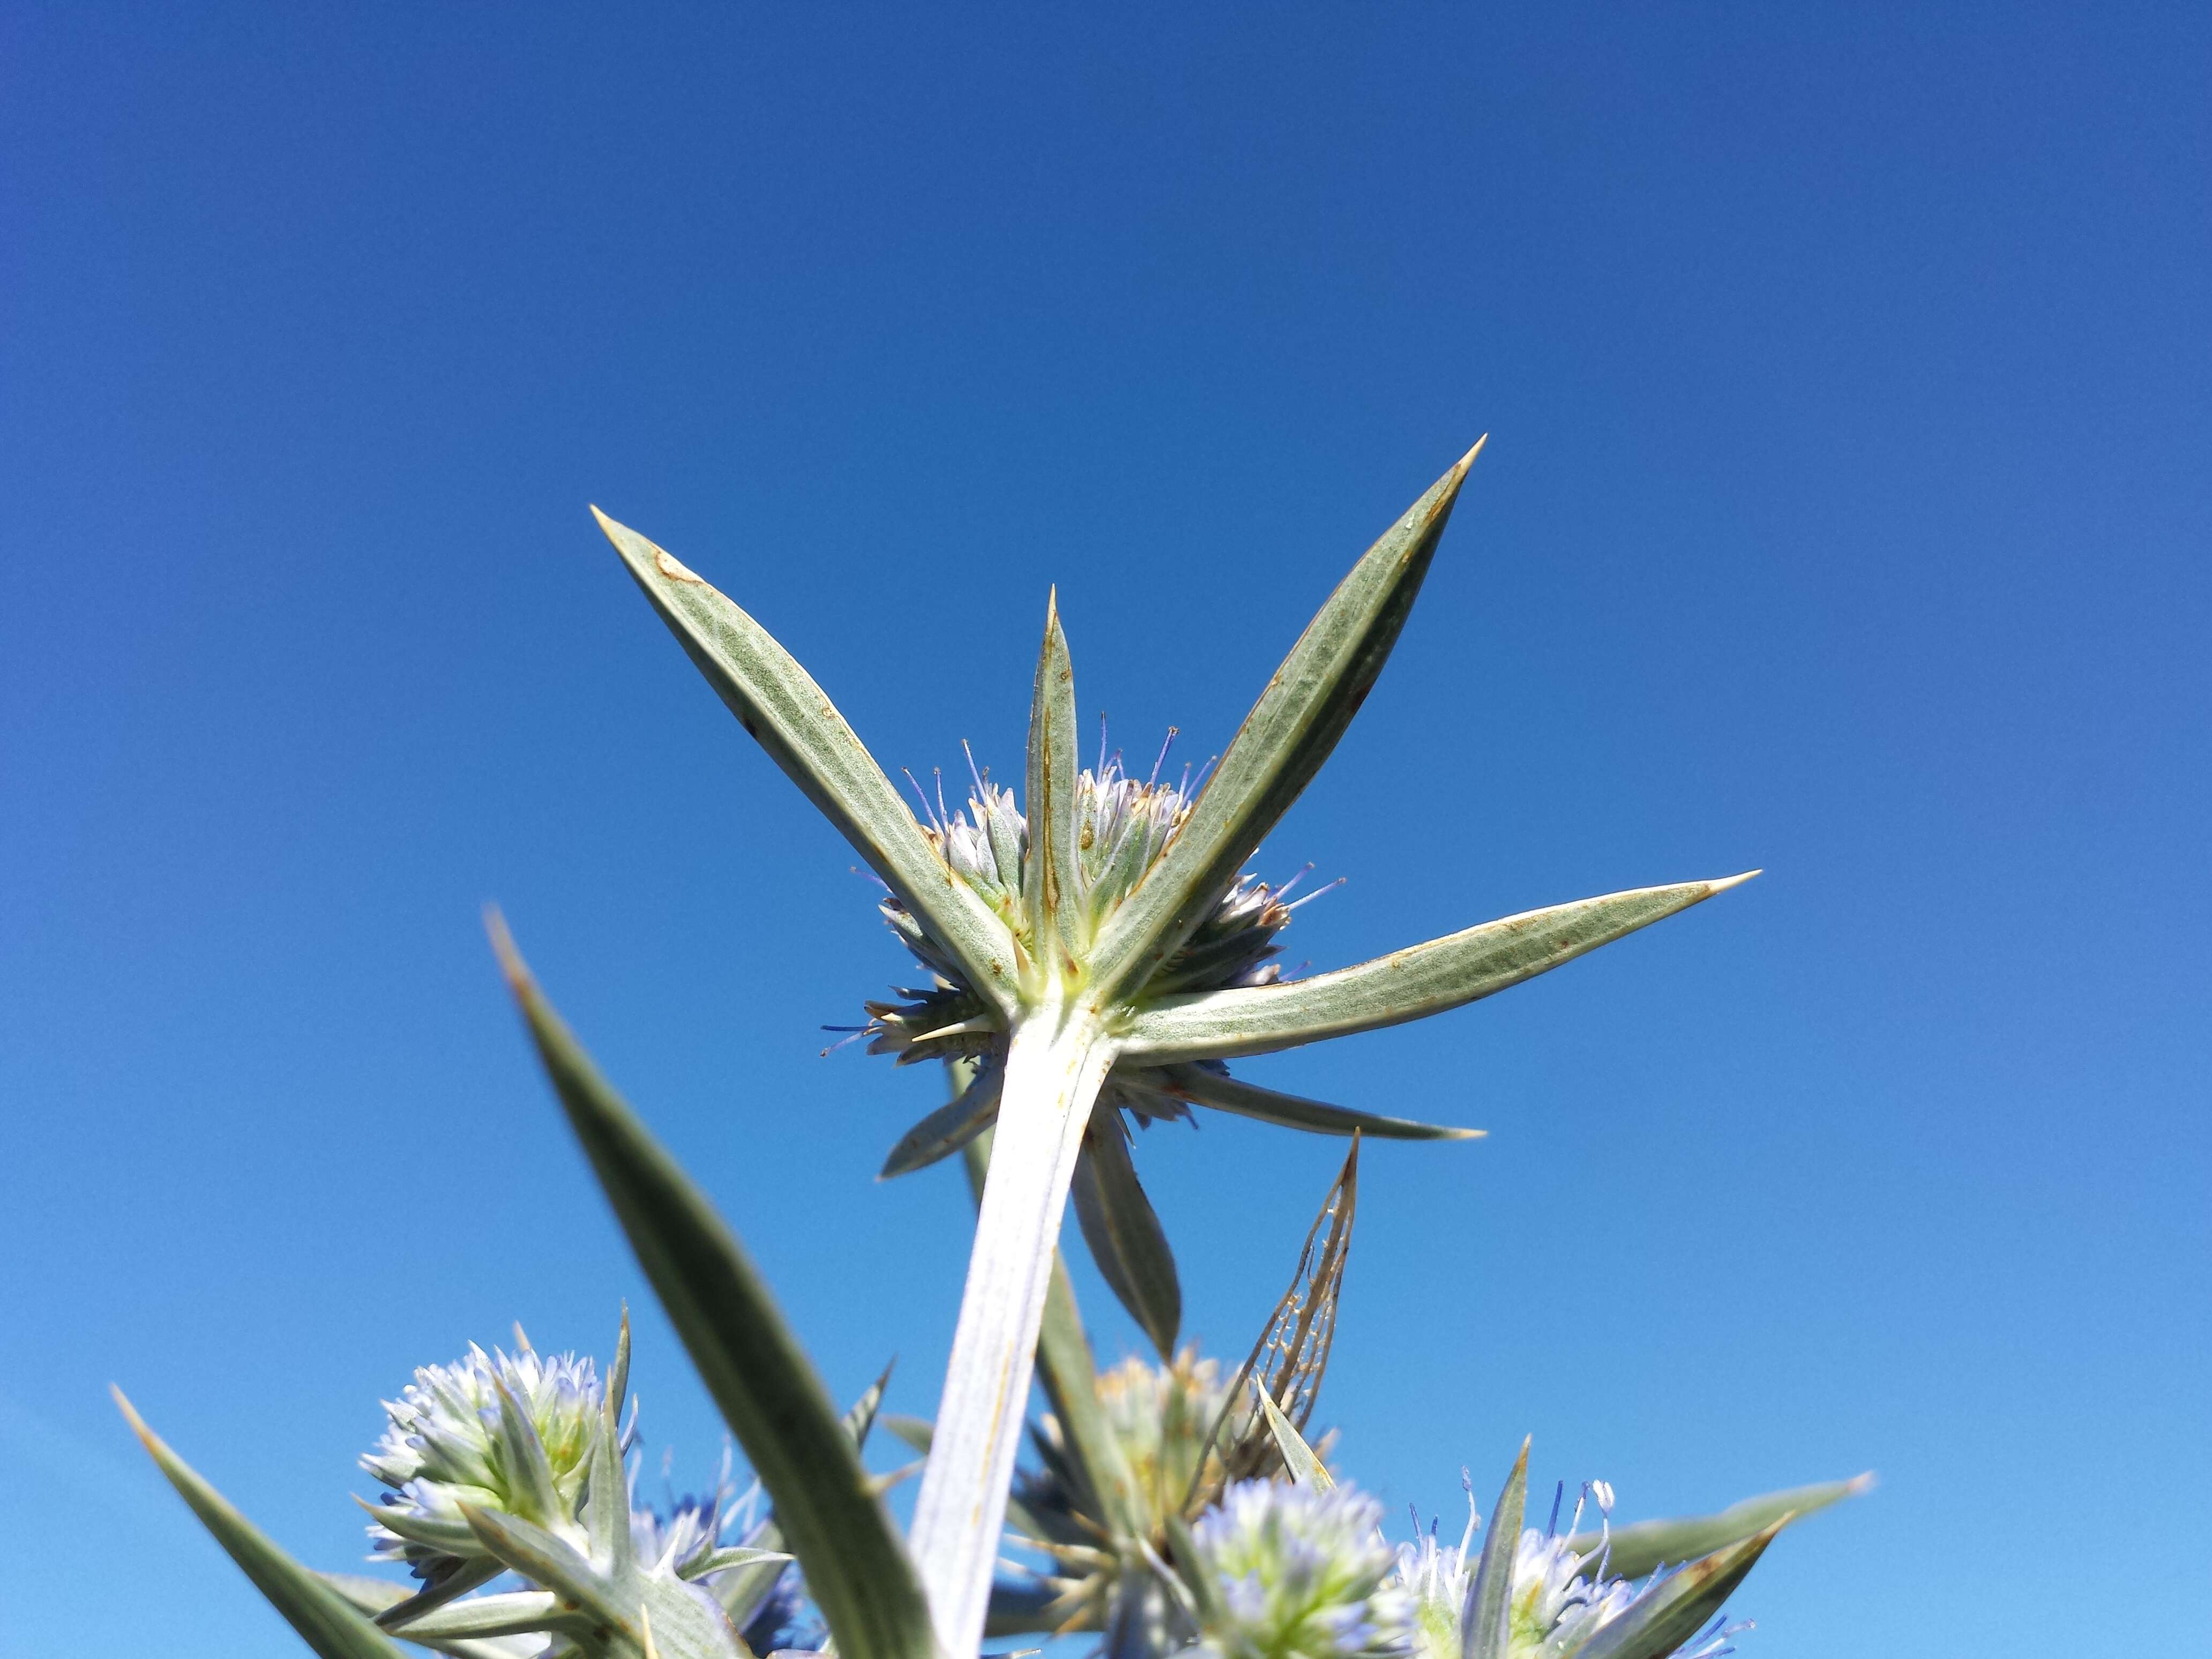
column 1052, row 877
column 378, row 1596
column 1677, row 1607
column 1283, row 742
column 1204, row 1087
column 1426, row 979
column 752, row 1365
column 326, row 1620
column 1125, row 1236
column 1632, row 1551
column 779, row 703
column 951, row 1126
column 1485, row 1630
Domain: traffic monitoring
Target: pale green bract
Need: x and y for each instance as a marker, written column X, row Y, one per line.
column 1095, row 952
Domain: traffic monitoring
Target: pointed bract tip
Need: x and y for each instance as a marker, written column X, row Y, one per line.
column 502, row 944
column 645, row 1624
column 1467, row 459
column 1727, row 882
column 130, row 1416
column 1859, row 1484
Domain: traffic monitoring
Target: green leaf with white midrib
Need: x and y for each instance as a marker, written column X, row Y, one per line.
column 1223, row 1093
column 787, row 713
column 379, row 1596
column 1051, row 879
column 1281, row 744
column 1630, row 1552
column 1125, row 1236
column 1304, row 1464
column 1485, row 1621
column 1675, row 1608
column 325, row 1620
column 1410, row 984
column 855, row 1565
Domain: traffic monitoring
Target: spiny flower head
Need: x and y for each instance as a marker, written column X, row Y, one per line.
column 1123, row 828
column 512, row 1432
column 672, row 1538
column 1299, row 1573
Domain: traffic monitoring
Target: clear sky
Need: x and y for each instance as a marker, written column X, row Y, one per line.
column 1845, row 512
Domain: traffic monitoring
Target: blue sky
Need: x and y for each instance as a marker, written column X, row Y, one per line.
column 1845, row 512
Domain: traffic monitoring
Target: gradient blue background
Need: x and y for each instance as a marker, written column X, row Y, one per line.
column 1846, row 513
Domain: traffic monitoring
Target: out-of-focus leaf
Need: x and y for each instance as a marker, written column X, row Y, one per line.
column 1021, row 1607
column 1292, row 1356
column 377, row 1595
column 1052, row 876
column 951, row 1126
column 1485, row 1631
column 1283, row 742
column 1224, row 1093
column 1124, row 1233
column 1677, row 1607
column 1632, row 1551
column 326, row 1620
column 1409, row 984
column 1305, row 1467
column 785, row 712
column 515, row 1614
column 734, row 1555
column 856, row 1567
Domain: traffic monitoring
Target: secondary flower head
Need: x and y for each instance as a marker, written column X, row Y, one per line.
column 1299, row 1573
column 678, row 1539
column 510, row 1432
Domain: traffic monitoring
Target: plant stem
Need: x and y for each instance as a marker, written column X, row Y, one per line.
column 1055, row 1065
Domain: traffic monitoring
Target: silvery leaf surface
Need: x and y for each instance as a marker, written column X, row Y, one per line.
column 1125, row 1236
column 545, row 1559
column 1484, row 1622
column 1677, row 1606
column 735, row 1555
column 778, row 702
column 1410, row 984
column 1640, row 1547
column 514, row 1614
column 1281, row 744
column 325, row 1620
column 376, row 1595
column 1052, row 883
column 1204, row 1087
column 856, row 1565
column 1305, row 1467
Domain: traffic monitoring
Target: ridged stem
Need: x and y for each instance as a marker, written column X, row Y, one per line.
column 1056, row 1063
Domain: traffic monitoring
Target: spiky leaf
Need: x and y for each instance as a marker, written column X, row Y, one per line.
column 1125, row 1236
column 1634, row 1550
column 1484, row 1623
column 778, row 702
column 1204, row 1087
column 1283, row 742
column 1409, row 984
column 1676, row 1608
column 326, row 1620
column 855, row 1565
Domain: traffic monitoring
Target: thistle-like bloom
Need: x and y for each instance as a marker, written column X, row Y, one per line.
column 1298, row 1573
column 1561, row 1593
column 683, row 1539
column 513, row 1433
column 1129, row 955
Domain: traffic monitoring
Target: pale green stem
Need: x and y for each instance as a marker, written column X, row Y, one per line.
column 1055, row 1065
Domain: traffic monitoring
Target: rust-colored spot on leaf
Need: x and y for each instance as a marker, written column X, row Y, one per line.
column 674, row 569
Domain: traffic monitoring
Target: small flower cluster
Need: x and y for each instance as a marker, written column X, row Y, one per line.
column 509, row 1432
column 1123, row 828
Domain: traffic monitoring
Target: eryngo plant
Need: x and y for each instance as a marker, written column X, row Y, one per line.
column 1097, row 950
column 1085, row 971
